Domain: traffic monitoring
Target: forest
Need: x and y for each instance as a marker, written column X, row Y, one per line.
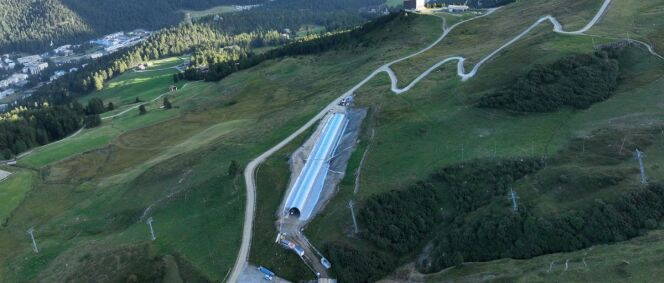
column 214, row 65
column 576, row 81
column 22, row 128
column 168, row 42
column 31, row 26
column 462, row 212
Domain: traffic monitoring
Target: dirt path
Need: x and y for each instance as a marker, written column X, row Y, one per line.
column 140, row 103
column 81, row 129
column 250, row 171
column 37, row 148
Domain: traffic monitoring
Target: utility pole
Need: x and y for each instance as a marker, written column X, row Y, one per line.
column 352, row 213
column 513, row 197
column 152, row 236
column 494, row 150
column 31, row 231
column 639, row 155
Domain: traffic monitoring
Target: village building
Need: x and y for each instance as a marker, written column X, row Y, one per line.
column 64, row 50
column 457, row 8
column 15, row 79
column 29, row 59
column 96, row 55
column 35, row 68
column 57, row 74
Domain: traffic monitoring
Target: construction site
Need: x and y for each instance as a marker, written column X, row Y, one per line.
column 316, row 169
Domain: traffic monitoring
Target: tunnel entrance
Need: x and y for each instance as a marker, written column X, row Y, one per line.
column 294, row 211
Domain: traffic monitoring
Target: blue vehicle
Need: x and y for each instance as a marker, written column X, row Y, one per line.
column 266, row 271
column 326, row 263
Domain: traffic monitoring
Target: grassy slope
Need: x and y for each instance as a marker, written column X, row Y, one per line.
column 99, row 195
column 634, row 19
column 392, row 46
column 122, row 92
column 178, row 164
column 636, row 260
column 482, row 36
column 432, row 125
column 14, row 189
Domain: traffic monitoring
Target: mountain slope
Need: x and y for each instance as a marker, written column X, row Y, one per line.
column 32, row 24
column 91, row 194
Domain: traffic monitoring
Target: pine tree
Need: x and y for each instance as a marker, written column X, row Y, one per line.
column 142, row 110
column 167, row 103
column 233, row 168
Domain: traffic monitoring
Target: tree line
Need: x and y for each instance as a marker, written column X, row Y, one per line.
column 206, row 41
column 576, row 81
column 497, row 233
column 166, row 43
column 461, row 213
column 231, row 60
column 209, row 45
column 23, row 128
column 31, row 26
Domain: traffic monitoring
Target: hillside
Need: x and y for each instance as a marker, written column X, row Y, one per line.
column 89, row 196
column 30, row 26
column 437, row 125
column 434, row 165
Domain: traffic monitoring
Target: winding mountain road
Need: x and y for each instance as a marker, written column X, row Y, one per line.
column 250, row 170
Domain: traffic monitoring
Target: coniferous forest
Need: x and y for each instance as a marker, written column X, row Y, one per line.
column 576, row 81
column 24, row 128
column 462, row 213
column 220, row 63
column 30, row 26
